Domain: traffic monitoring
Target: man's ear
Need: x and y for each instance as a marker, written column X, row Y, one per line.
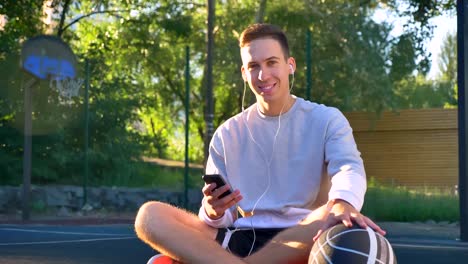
column 243, row 73
column 292, row 63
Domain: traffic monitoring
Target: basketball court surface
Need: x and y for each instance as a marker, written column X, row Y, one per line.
column 117, row 243
column 42, row 244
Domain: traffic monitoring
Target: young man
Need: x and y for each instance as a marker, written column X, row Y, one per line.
column 281, row 157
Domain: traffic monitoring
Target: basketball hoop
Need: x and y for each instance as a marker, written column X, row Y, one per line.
column 66, row 87
column 47, row 57
column 44, row 57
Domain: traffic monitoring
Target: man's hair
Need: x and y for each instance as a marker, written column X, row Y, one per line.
column 258, row 31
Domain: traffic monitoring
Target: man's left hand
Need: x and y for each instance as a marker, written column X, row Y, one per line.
column 342, row 211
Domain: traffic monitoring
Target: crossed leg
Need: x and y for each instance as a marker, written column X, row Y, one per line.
column 182, row 236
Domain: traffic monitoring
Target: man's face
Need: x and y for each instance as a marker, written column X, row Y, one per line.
column 266, row 70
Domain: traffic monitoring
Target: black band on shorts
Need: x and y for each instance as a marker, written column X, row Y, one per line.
column 241, row 241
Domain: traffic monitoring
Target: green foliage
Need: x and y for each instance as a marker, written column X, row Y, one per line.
column 136, row 53
column 402, row 55
column 448, row 59
column 448, row 68
column 10, row 155
column 418, row 14
column 419, row 92
column 23, row 18
column 389, row 203
column 416, row 92
column 23, row 21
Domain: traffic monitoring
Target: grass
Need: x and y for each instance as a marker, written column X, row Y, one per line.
column 148, row 175
column 382, row 202
column 387, row 203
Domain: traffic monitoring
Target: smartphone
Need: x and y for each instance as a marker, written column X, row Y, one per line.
column 216, row 178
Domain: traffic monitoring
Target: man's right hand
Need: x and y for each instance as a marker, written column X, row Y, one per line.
column 215, row 207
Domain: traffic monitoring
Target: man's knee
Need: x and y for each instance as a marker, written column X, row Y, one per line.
column 152, row 207
column 150, row 213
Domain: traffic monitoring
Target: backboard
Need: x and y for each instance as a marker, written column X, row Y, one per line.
column 47, row 56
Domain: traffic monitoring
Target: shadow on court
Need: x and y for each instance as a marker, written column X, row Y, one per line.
column 117, row 243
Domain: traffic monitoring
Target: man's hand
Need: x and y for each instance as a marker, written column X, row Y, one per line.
column 342, row 211
column 215, row 207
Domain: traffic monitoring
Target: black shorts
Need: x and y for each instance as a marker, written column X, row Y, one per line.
column 240, row 242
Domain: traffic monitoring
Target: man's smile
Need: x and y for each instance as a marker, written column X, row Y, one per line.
column 266, row 88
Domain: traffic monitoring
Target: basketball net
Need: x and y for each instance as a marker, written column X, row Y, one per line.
column 66, row 87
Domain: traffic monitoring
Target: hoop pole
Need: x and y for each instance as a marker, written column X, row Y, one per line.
column 187, row 127
column 27, row 149
column 309, row 64
column 86, row 135
column 209, row 114
column 462, row 47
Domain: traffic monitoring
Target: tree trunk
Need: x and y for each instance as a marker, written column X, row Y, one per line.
column 66, row 6
column 261, row 12
column 209, row 113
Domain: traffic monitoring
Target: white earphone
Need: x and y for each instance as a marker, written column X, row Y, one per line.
column 291, row 68
column 268, row 160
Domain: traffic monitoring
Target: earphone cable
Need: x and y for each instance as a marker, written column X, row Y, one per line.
column 268, row 162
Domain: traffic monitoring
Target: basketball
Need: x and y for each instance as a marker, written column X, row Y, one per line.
column 355, row 245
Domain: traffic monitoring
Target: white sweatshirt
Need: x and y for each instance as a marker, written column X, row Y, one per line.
column 277, row 163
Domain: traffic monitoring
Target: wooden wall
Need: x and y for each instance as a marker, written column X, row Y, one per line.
column 409, row 147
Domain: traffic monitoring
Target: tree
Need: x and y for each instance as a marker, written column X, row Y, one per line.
column 448, row 69
column 418, row 14
column 420, row 92
column 22, row 19
column 448, row 59
column 136, row 50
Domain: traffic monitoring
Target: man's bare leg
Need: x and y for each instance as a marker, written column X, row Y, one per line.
column 292, row 245
column 179, row 235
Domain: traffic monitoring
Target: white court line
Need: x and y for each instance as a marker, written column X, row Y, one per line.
column 59, row 232
column 65, row 241
column 428, row 246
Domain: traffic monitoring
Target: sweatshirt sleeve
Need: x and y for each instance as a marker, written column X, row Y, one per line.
column 226, row 220
column 344, row 161
column 216, row 165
